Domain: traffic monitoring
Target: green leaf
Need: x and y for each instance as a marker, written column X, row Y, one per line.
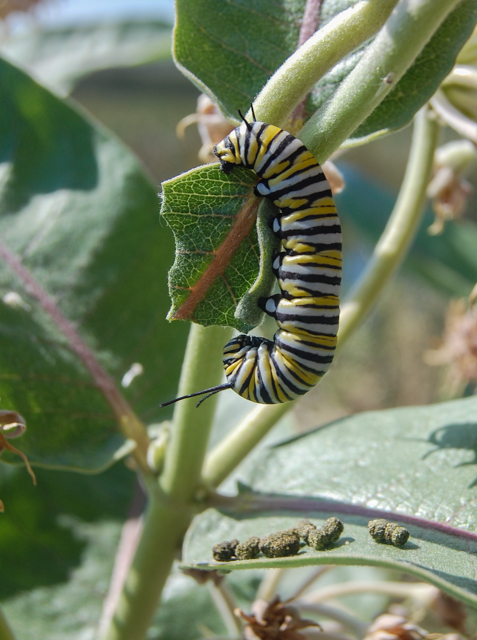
column 415, row 465
column 231, row 53
column 78, row 211
column 60, row 57
column 220, row 253
column 254, row 42
column 447, row 261
column 39, row 545
column 54, row 582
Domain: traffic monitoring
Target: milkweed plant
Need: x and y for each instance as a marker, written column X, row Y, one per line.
column 180, row 522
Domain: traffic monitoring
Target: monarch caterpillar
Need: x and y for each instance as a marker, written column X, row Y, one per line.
column 308, row 269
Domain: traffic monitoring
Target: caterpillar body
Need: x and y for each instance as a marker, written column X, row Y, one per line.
column 308, row 269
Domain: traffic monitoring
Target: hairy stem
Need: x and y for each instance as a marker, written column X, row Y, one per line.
column 6, row 632
column 225, row 604
column 230, row 451
column 420, row 591
column 335, row 613
column 202, row 368
column 173, row 504
column 400, row 229
column 291, row 83
column 164, row 527
column 409, row 28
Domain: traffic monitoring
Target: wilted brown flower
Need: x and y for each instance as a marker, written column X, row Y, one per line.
column 459, row 344
column 448, row 189
column 274, row 620
column 392, row 627
column 212, row 125
column 12, row 425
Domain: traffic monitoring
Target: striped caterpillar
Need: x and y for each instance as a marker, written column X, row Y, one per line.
column 308, row 269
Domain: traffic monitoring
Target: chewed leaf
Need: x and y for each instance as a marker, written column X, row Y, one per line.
column 213, row 218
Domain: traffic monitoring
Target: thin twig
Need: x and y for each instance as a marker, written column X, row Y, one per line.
column 226, row 606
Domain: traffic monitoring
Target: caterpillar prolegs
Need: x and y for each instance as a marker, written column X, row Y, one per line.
column 308, row 269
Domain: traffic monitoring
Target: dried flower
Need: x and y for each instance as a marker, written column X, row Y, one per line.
column 448, row 189
column 212, row 125
column 392, row 627
column 459, row 345
column 12, row 425
column 274, row 620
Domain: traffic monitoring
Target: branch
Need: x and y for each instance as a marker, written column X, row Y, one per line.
column 409, row 28
column 297, row 76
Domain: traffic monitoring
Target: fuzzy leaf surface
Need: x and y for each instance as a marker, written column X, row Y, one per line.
column 415, row 465
column 230, row 54
column 60, row 57
column 80, row 214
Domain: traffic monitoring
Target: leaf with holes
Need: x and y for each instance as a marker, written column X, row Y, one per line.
column 82, row 280
column 220, row 251
column 415, row 466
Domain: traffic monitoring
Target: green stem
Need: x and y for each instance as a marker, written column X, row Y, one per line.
column 161, row 537
column 202, row 368
column 400, row 229
column 392, row 52
column 224, row 601
column 6, row 632
column 291, row 83
column 173, row 504
column 230, row 451
column 390, row 251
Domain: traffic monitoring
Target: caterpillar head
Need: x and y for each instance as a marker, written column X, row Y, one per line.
column 227, row 152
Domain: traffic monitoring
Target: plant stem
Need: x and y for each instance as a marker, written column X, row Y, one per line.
column 225, row 604
column 173, row 504
column 400, row 229
column 420, row 591
column 291, row 83
column 6, row 632
column 230, row 451
column 202, row 368
column 164, row 527
column 388, row 57
column 335, row 613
